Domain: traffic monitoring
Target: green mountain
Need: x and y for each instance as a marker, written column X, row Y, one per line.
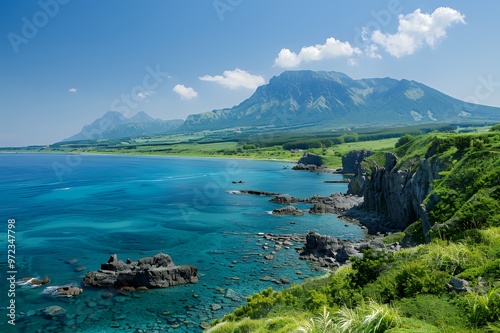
column 114, row 125
column 309, row 98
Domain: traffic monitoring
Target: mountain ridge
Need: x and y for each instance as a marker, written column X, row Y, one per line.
column 308, row 98
column 114, row 125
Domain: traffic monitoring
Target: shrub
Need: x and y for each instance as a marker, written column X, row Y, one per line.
column 403, row 140
column 489, row 271
column 416, row 278
column 370, row 266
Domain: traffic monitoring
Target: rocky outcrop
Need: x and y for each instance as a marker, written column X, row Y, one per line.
column 260, row 193
column 285, row 199
column 288, row 210
column 35, row 281
column 333, row 252
column 337, row 203
column 352, row 160
column 158, row 271
column 311, row 159
column 397, row 193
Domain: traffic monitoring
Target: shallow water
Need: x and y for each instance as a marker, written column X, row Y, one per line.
column 89, row 207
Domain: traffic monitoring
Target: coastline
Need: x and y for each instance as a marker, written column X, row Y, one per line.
column 145, row 155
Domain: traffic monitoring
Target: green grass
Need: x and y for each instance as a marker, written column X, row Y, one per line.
column 194, row 145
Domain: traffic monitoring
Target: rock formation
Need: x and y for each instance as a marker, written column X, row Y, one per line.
column 352, row 160
column 288, row 210
column 309, row 162
column 158, row 271
column 395, row 192
column 332, row 252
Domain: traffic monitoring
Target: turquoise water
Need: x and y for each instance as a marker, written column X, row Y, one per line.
column 88, row 207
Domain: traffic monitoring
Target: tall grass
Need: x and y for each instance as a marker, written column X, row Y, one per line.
column 452, row 258
column 370, row 317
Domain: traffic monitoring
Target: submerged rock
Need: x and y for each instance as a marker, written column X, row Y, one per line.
column 68, row 291
column 158, row 271
column 37, row 282
column 53, row 311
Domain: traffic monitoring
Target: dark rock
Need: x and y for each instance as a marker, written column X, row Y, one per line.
column 158, row 271
column 67, row 291
column 459, row 285
column 311, row 159
column 352, row 160
column 396, row 193
column 284, row 199
column 72, row 261
column 332, row 252
column 260, row 193
column 288, row 210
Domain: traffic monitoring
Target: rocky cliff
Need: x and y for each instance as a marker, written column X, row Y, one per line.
column 352, row 160
column 396, row 192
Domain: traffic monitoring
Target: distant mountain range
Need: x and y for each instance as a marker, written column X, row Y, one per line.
column 294, row 99
column 114, row 125
column 309, row 98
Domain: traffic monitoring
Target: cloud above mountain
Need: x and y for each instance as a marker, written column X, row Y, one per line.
column 332, row 48
column 185, row 92
column 236, row 79
column 416, row 30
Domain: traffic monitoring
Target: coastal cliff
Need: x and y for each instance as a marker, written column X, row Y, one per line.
column 433, row 179
column 395, row 192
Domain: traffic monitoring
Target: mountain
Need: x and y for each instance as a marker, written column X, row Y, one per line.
column 309, row 98
column 114, row 125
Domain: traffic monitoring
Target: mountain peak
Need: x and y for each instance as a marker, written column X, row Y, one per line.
column 334, row 100
column 141, row 117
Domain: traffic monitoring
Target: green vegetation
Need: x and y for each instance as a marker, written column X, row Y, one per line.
column 252, row 143
column 409, row 290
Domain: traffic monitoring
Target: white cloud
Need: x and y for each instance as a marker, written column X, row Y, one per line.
column 144, row 94
column 332, row 48
column 185, row 92
column 236, row 79
column 371, row 51
column 418, row 29
column 72, row 90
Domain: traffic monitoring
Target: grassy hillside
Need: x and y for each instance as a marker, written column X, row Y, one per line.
column 255, row 143
column 407, row 291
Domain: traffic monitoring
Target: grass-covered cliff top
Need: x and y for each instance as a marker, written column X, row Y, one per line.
column 408, row 291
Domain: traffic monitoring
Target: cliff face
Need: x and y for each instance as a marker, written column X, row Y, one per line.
column 352, row 160
column 394, row 192
column 311, row 159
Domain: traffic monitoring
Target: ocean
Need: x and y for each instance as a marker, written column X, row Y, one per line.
column 87, row 207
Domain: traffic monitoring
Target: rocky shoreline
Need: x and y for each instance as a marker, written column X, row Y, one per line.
column 347, row 206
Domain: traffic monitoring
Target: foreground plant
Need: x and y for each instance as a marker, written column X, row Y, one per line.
column 367, row 318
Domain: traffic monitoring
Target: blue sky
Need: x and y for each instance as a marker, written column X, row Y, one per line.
column 65, row 63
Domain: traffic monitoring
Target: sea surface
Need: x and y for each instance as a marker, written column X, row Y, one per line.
column 88, row 207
